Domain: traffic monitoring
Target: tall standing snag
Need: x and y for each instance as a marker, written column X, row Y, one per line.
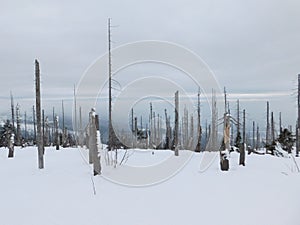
column 243, row 149
column 12, row 111
column 199, row 128
column 298, row 121
column 225, row 148
column 176, row 125
column 38, row 116
column 268, row 126
column 18, row 131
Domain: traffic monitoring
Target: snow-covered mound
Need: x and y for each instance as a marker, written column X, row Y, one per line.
column 265, row 191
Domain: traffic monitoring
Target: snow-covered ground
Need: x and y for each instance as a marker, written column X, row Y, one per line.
column 264, row 192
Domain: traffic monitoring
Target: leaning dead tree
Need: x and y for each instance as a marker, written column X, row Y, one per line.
column 38, row 116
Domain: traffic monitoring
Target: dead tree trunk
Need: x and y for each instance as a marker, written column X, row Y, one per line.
column 18, row 133
column 135, row 132
column 38, row 117
column 243, row 149
column 257, row 138
column 298, row 120
column 268, row 126
column 63, row 124
column 176, row 124
column 34, row 125
column 12, row 111
column 168, row 131
column 25, row 124
column 280, row 125
column 47, row 132
column 57, row 141
column 224, row 151
column 213, row 137
column 93, row 142
column 199, row 128
column 253, row 135
column 10, row 144
column 151, row 127
column 191, row 139
column 43, row 125
column 272, row 128
column 80, row 139
column 53, row 128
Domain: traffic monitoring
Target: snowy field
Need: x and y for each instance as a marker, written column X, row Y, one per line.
column 265, row 192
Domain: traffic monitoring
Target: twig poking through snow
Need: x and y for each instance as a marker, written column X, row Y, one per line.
column 295, row 163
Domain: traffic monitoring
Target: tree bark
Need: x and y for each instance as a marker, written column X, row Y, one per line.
column 38, row 117
column 176, row 124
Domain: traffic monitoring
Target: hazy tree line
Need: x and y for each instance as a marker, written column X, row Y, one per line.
column 25, row 133
column 158, row 132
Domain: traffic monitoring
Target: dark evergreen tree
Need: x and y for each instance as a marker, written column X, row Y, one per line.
column 286, row 140
column 5, row 134
column 238, row 140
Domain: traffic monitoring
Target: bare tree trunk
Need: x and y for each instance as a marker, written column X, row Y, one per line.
column 176, row 123
column 257, row 138
column 280, row 125
column 298, row 120
column 93, row 145
column 63, row 124
column 38, row 116
column 53, row 127
column 253, row 135
column 25, row 122
column 47, row 132
column 110, row 128
column 43, row 127
column 18, row 133
column 243, row 149
column 191, row 139
column 12, row 111
column 214, row 129
column 238, row 116
column 57, row 141
column 34, row 125
column 11, row 144
column 268, row 125
column 135, row 132
column 272, row 127
column 168, row 131
column 80, row 129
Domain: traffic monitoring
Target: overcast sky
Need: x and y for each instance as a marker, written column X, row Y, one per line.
column 252, row 46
